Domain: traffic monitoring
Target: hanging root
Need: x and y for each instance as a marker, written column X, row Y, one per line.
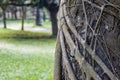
column 88, row 47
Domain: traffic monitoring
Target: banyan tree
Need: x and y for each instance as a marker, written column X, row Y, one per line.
column 88, row 43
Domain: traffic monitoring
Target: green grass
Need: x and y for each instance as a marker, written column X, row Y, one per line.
column 6, row 33
column 26, row 58
column 16, row 22
column 46, row 24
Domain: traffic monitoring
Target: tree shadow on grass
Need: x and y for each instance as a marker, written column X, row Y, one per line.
column 13, row 34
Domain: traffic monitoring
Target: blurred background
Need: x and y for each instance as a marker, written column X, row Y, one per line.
column 28, row 30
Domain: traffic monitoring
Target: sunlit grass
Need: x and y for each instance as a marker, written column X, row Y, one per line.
column 30, row 22
column 26, row 58
column 45, row 24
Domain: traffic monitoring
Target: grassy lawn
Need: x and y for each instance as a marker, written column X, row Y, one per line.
column 26, row 55
column 46, row 24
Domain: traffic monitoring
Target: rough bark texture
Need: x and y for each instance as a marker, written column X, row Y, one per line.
column 89, row 40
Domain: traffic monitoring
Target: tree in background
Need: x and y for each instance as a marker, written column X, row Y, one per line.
column 4, row 16
column 88, row 44
column 52, row 7
column 38, row 16
column 14, row 12
column 4, row 7
column 44, row 15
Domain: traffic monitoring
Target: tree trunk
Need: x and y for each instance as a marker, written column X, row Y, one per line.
column 12, row 14
column 53, row 9
column 8, row 15
column 38, row 17
column 4, row 17
column 15, row 14
column 25, row 12
column 23, row 15
column 88, row 45
column 53, row 16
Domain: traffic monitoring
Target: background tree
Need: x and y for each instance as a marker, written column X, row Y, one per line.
column 4, row 7
column 38, row 16
column 88, row 45
column 4, row 16
column 52, row 7
column 14, row 12
column 44, row 14
column 22, row 3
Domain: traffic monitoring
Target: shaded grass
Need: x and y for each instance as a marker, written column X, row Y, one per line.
column 26, row 58
column 6, row 33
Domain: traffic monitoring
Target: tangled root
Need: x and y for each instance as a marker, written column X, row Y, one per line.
column 88, row 45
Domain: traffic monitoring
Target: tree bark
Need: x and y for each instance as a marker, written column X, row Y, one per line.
column 89, row 40
column 58, row 56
